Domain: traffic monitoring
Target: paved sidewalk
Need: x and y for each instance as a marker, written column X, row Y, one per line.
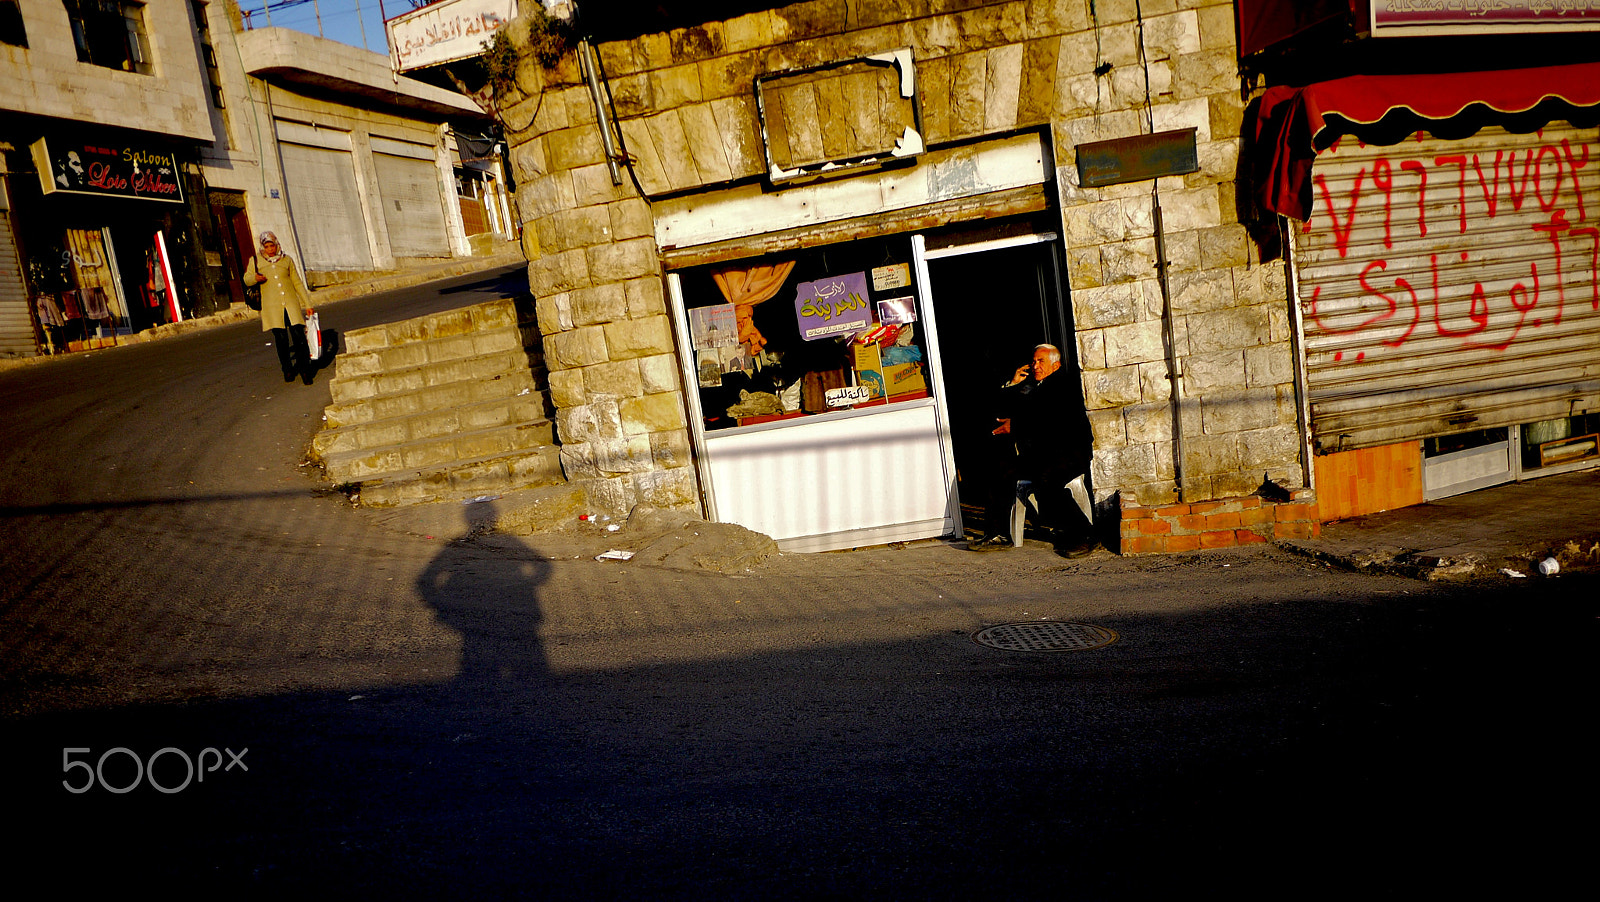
column 1512, row 526
column 330, row 294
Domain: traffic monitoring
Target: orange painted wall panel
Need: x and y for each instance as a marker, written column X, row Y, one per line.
column 1369, row 480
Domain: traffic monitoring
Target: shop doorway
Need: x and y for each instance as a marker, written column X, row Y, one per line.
column 994, row 302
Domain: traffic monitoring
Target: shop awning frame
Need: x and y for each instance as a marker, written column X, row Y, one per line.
column 1292, row 125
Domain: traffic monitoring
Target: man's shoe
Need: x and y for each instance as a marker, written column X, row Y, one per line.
column 992, row 543
column 1081, row 548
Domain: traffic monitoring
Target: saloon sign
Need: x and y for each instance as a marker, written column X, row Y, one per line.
column 108, row 169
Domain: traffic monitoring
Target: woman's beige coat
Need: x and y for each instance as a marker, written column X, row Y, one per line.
column 283, row 291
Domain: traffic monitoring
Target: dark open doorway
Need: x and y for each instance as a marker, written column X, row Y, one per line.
column 993, row 307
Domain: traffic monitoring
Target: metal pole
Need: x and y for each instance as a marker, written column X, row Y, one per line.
column 1174, row 373
column 586, row 59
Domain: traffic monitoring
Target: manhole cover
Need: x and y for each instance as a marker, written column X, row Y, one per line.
column 1044, row 635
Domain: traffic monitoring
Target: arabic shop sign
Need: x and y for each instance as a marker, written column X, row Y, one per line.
column 1413, row 17
column 107, row 168
column 833, row 306
column 446, row 32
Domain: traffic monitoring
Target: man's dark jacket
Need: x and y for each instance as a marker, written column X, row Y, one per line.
column 1050, row 427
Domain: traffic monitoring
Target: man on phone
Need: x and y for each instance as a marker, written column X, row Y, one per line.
column 1045, row 440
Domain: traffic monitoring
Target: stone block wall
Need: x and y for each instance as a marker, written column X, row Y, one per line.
column 1077, row 70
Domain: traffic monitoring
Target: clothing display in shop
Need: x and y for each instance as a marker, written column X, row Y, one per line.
column 49, row 312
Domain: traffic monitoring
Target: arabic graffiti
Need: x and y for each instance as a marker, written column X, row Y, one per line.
column 1473, row 248
column 833, row 306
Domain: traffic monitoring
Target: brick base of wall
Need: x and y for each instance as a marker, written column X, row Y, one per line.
column 1216, row 524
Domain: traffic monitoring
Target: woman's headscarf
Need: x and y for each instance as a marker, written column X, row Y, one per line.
column 269, row 236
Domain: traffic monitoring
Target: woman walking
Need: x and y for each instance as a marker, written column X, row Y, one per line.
column 284, row 299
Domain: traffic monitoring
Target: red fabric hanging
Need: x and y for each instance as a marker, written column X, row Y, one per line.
column 1291, row 124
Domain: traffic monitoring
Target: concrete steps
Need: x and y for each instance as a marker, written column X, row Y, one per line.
column 440, row 407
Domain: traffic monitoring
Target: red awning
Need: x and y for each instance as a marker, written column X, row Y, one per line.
column 1292, row 125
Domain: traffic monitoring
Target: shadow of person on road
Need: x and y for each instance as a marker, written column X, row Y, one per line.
column 490, row 598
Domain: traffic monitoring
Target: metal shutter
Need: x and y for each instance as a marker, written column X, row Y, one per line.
column 1448, row 286
column 16, row 324
column 412, row 206
column 326, row 206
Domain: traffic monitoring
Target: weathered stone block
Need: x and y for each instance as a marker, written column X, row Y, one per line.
column 1205, row 73
column 1002, row 88
column 933, row 84
column 647, row 163
column 969, row 74
column 1113, row 387
column 1224, row 411
column 1202, row 291
column 619, row 379
column 1108, row 427
column 559, row 272
column 1169, row 36
column 646, row 297
column 672, row 149
column 1209, row 455
column 658, row 373
column 613, row 457
column 624, row 260
column 577, row 460
column 1109, row 305
column 1125, row 261
column 741, row 136
column 1154, row 382
column 566, row 388
column 705, row 143
column 1036, row 98
column 1094, row 224
column 670, row 449
column 630, row 218
column 1214, row 372
column 1269, row 365
column 748, row 32
column 1134, row 343
column 528, row 160
column 584, row 346
column 675, row 86
column 673, row 488
column 1091, row 349
column 1148, row 422
column 1129, row 464
column 661, row 412
column 1273, row 448
column 570, row 148
column 600, row 304
column 1047, row 17
column 1238, row 327
column 727, row 76
column 696, row 42
column 1265, row 284
column 595, row 421
column 554, row 312
column 638, row 338
column 548, row 195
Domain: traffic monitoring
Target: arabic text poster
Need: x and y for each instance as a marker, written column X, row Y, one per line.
column 833, row 306
column 713, row 327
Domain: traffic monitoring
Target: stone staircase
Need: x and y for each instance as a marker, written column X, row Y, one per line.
column 442, row 407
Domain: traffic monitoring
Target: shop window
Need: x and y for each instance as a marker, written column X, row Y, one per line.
column 1564, row 440
column 806, row 333
column 1439, row 445
column 11, row 29
column 110, row 33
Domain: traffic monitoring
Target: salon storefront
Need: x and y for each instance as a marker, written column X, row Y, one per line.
column 104, row 234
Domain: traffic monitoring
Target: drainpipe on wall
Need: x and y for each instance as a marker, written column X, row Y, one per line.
column 1169, row 339
column 590, row 78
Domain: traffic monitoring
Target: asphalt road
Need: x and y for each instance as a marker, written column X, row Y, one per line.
column 396, row 715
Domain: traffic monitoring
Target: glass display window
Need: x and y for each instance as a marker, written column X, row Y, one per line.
column 806, row 333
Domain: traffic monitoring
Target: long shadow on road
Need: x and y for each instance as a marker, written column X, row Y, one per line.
column 1380, row 754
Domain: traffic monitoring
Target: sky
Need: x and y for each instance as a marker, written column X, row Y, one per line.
column 341, row 20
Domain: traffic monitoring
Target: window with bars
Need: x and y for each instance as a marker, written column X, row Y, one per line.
column 110, row 33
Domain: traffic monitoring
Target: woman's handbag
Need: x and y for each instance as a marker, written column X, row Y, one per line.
column 252, row 297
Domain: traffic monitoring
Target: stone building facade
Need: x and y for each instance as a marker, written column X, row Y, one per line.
column 1067, row 71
